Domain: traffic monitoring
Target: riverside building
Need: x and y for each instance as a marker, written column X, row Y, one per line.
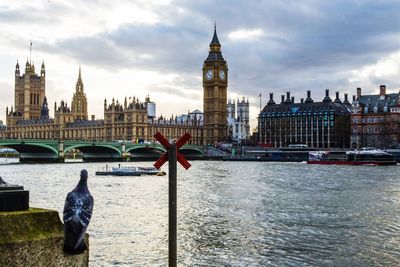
column 324, row 124
column 375, row 119
column 131, row 120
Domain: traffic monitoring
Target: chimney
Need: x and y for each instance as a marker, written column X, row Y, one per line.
column 288, row 96
column 271, row 99
column 354, row 98
column 93, row 117
column 337, row 99
column 358, row 92
column 282, row 99
column 327, row 98
column 346, row 99
column 292, row 99
column 302, row 100
column 308, row 99
column 382, row 90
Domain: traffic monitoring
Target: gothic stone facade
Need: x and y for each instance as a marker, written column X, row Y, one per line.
column 128, row 121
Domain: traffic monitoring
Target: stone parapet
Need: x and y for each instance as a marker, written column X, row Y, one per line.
column 35, row 237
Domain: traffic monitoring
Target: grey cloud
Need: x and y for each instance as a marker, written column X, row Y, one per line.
column 307, row 45
column 50, row 14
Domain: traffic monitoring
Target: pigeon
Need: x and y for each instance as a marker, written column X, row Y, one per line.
column 77, row 213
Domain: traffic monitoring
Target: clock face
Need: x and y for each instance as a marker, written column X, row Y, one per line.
column 209, row 74
column 222, row 75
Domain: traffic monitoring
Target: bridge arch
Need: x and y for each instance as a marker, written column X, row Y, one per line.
column 31, row 152
column 191, row 152
column 97, row 152
column 145, row 151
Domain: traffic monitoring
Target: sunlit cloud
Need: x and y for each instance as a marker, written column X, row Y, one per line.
column 385, row 71
column 244, row 34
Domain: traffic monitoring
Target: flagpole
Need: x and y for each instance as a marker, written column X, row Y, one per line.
column 30, row 52
column 259, row 127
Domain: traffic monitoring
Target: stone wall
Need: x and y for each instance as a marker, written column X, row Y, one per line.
column 35, row 237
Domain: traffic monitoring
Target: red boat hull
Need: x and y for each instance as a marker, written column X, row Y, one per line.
column 329, row 162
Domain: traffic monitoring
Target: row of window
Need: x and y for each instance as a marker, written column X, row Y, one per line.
column 369, row 129
column 369, row 120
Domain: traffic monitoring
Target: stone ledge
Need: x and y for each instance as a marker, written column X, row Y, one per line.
column 35, row 237
column 32, row 224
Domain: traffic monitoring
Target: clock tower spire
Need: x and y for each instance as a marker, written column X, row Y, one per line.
column 215, row 83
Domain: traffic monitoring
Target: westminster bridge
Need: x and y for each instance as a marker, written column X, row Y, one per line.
column 32, row 150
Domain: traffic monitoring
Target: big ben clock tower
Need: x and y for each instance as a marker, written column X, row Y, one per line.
column 215, row 82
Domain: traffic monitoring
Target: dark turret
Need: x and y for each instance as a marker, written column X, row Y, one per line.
column 337, row 99
column 309, row 99
column 271, row 99
column 44, row 112
column 346, row 99
column 42, row 70
column 288, row 97
column 17, row 69
column 327, row 98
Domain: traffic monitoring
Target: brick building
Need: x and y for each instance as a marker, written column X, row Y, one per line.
column 375, row 119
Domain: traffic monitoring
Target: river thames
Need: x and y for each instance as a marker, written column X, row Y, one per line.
column 233, row 213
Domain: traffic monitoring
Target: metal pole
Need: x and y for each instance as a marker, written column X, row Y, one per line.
column 259, row 128
column 172, row 159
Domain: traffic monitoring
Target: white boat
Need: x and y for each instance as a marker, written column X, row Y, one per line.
column 131, row 171
column 140, row 170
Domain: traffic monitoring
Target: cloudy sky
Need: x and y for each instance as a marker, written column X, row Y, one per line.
column 136, row 48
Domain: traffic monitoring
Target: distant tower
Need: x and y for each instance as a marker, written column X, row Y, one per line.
column 151, row 108
column 238, row 122
column 29, row 91
column 44, row 112
column 231, row 117
column 243, row 110
column 79, row 101
column 231, row 111
column 243, row 116
column 215, row 83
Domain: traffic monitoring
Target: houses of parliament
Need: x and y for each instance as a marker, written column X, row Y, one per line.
column 130, row 119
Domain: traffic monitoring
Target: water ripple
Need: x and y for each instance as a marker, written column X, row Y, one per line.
column 234, row 213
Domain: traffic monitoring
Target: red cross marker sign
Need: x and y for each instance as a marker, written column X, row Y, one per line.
column 181, row 159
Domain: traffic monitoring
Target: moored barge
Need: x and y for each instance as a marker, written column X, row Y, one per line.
column 360, row 157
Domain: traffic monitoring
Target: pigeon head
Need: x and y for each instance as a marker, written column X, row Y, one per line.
column 82, row 185
column 84, row 174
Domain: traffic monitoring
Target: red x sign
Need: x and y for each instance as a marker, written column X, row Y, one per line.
column 181, row 159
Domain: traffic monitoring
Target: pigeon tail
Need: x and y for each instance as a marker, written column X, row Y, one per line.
column 74, row 233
